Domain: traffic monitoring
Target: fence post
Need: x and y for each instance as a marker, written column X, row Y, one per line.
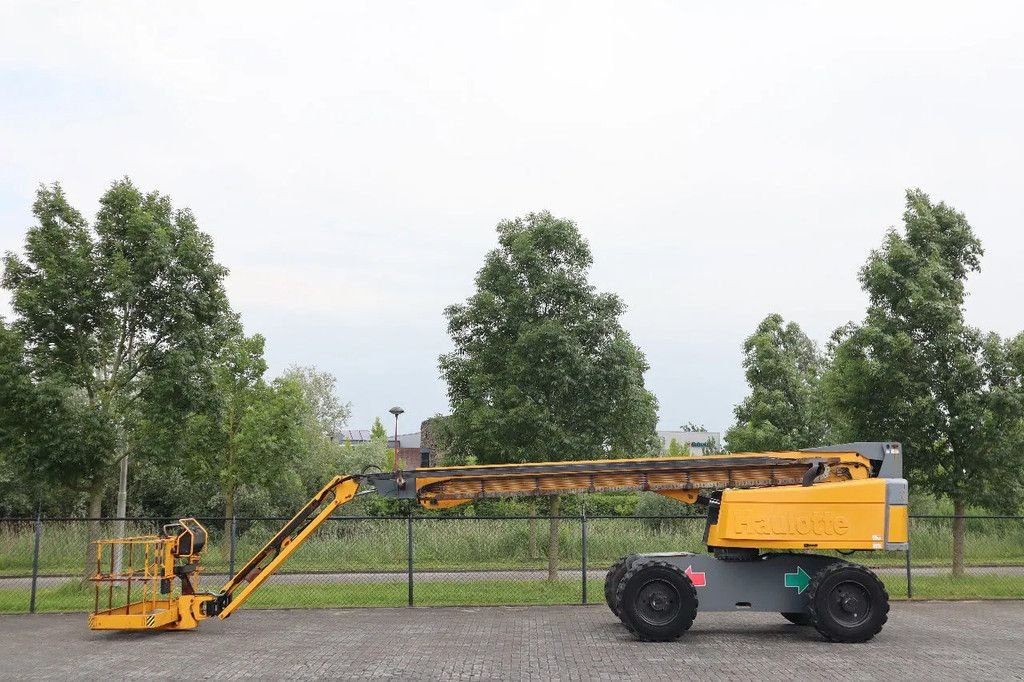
column 35, row 559
column 408, row 532
column 910, row 589
column 583, row 561
column 231, row 543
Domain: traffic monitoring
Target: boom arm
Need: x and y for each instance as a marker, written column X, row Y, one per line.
column 681, row 478
column 262, row 565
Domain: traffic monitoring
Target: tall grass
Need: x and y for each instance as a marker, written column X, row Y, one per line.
column 368, row 545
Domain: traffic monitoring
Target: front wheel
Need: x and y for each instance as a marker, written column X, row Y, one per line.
column 656, row 601
column 847, row 603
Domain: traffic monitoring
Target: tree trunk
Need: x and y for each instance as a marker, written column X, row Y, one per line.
column 959, row 533
column 553, row 539
column 532, row 528
column 94, row 511
column 229, row 513
column 121, row 512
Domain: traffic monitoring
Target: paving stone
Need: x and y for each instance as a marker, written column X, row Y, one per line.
column 932, row 640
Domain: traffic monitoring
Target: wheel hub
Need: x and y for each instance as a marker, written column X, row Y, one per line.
column 852, row 604
column 657, row 602
column 849, row 604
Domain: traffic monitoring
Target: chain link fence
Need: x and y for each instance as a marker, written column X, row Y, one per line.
column 464, row 561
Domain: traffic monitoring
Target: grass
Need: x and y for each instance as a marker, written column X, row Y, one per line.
column 351, row 545
column 948, row 587
column 74, row 597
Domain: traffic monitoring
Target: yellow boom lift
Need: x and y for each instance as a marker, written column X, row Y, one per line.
column 767, row 514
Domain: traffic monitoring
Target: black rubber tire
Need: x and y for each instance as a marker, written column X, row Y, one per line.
column 836, row 589
column 647, row 584
column 611, row 581
column 798, row 617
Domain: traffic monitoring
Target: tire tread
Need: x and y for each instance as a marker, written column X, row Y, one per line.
column 818, row 621
column 635, row 568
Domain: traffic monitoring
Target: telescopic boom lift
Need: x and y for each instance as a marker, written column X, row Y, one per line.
column 767, row 513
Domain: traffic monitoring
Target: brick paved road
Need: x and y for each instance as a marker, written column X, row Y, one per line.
column 967, row 640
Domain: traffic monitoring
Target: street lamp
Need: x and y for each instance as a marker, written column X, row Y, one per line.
column 396, row 410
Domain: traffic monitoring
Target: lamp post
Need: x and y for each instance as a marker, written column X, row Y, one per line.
column 396, row 410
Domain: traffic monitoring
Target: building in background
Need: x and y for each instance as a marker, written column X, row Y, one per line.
column 410, row 455
column 699, row 442
column 356, row 436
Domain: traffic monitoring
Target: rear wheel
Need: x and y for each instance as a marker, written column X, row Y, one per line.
column 797, row 617
column 656, row 601
column 847, row 603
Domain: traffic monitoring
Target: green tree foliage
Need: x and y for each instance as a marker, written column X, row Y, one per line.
column 783, row 411
column 119, row 322
column 377, row 431
column 322, row 457
column 48, row 432
column 379, row 443
column 319, row 388
column 915, row 372
column 542, row 368
column 712, row 446
column 661, row 512
column 254, row 435
column 675, row 449
column 435, row 435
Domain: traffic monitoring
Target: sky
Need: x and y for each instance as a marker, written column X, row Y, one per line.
column 724, row 160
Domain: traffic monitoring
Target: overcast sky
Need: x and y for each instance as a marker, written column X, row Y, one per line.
column 351, row 159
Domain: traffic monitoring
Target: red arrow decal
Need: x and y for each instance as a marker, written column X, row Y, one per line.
column 699, row 579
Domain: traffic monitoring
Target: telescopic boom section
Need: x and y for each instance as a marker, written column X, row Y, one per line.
column 682, row 478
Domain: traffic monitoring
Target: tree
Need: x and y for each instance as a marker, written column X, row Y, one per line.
column 374, row 454
column 783, row 411
column 542, row 368
column 915, row 372
column 320, row 391
column 47, row 434
column 377, row 431
column 677, row 450
column 321, row 455
column 254, row 434
column 712, row 446
column 435, row 434
column 118, row 320
column 379, row 435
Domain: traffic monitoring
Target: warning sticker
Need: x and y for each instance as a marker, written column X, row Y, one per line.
column 698, row 578
column 798, row 581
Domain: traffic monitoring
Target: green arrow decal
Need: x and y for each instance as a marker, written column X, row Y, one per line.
column 798, row 580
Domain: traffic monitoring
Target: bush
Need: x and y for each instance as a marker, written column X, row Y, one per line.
column 666, row 509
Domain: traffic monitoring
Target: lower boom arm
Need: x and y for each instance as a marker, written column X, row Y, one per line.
column 262, row 565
